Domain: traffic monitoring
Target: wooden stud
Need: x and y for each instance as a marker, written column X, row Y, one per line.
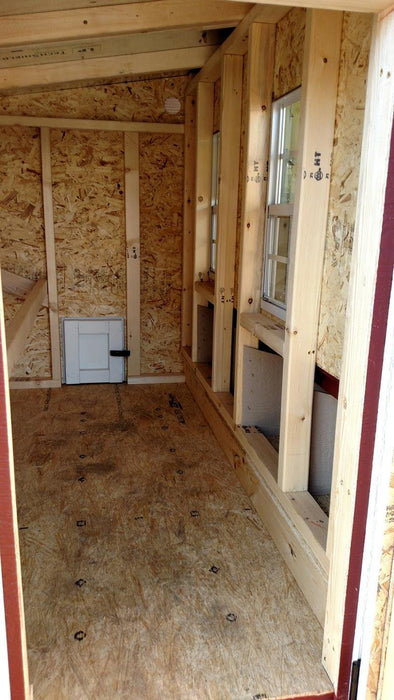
column 132, row 221
column 374, row 164
column 230, row 135
column 103, row 21
column 202, row 223
column 319, row 89
column 237, row 43
column 91, row 124
column 47, row 75
column 50, row 253
column 188, row 220
column 20, row 326
column 261, row 54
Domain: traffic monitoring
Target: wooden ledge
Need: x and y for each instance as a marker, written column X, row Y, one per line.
column 265, row 329
column 206, row 289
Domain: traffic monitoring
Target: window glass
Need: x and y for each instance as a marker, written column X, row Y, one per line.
column 288, row 155
column 282, row 180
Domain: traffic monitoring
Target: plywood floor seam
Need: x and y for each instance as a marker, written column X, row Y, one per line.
column 147, row 573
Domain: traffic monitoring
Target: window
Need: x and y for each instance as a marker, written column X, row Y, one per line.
column 283, row 166
column 214, row 199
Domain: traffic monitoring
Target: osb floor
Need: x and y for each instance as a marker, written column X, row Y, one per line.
column 147, row 574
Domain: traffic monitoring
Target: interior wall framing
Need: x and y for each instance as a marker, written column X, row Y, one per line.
column 88, row 183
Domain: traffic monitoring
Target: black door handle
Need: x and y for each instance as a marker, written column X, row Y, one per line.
column 119, row 353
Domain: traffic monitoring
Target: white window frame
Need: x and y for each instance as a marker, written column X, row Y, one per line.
column 274, row 209
column 214, row 202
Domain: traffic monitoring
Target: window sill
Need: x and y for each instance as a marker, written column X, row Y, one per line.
column 265, row 329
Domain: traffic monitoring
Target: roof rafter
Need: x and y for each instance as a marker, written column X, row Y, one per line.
column 111, row 20
column 48, row 75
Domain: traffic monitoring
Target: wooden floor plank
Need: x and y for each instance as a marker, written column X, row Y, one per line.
column 147, row 573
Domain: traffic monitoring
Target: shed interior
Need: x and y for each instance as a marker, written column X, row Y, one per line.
column 158, row 562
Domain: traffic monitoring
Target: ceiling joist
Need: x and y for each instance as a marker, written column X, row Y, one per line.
column 87, row 23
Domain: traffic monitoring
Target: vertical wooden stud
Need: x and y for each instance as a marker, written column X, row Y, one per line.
column 370, row 206
column 132, row 217
column 261, row 54
column 202, row 222
column 230, row 137
column 50, row 253
column 188, row 220
column 319, row 89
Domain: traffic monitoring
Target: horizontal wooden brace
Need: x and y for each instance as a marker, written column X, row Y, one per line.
column 91, row 124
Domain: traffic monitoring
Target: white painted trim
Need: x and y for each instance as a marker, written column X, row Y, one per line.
column 380, row 479
column 157, row 379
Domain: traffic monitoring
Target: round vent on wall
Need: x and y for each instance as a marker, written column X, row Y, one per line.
column 172, row 105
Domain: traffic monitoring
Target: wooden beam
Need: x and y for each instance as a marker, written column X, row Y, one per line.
column 108, row 20
column 230, row 138
column 91, row 124
column 318, row 102
column 261, row 55
column 375, row 152
column 125, row 44
column 343, row 5
column 202, row 222
column 19, row 328
column 237, row 42
column 15, row 284
column 46, row 75
column 188, row 220
column 132, row 217
column 9, row 7
column 50, row 253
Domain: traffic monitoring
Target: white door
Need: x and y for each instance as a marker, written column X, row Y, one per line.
column 87, row 344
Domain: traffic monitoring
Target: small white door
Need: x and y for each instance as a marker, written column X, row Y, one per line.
column 87, row 344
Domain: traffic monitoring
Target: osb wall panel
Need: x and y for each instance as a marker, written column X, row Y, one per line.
column 22, row 235
column 88, row 184
column 216, row 105
column 161, row 223
column 343, row 192
column 142, row 100
column 289, row 52
column 384, row 602
column 88, row 197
